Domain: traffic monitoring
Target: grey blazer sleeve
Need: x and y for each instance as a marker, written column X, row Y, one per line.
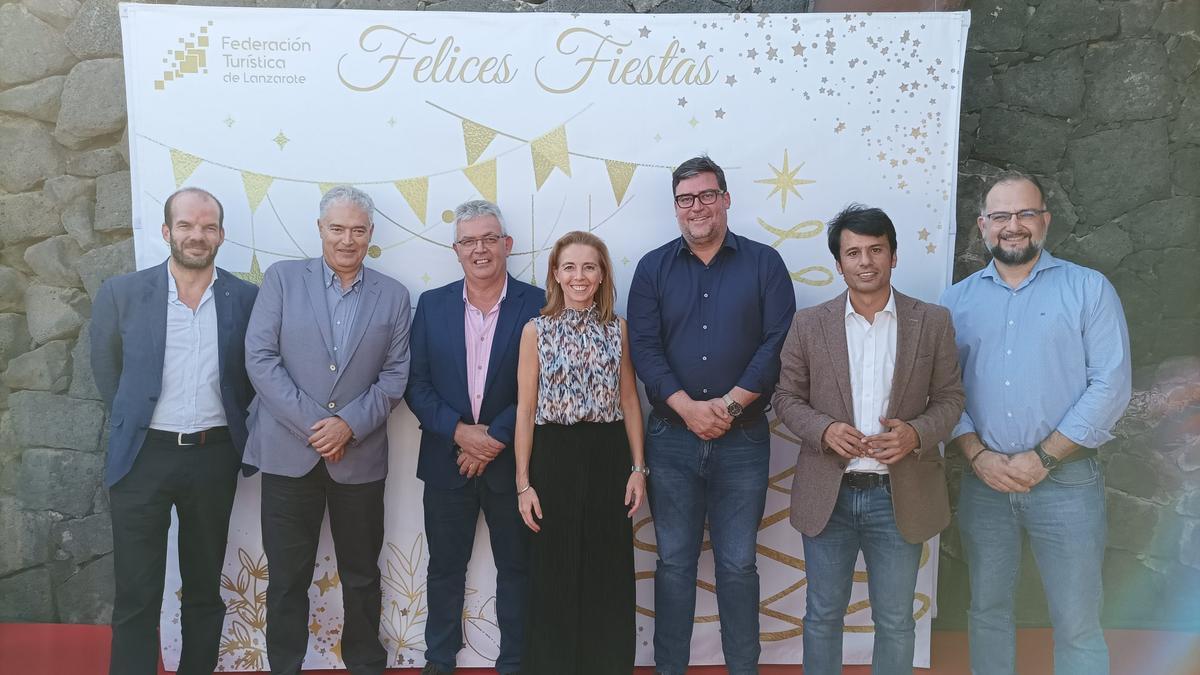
column 946, row 394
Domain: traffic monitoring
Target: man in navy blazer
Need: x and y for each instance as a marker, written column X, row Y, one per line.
column 167, row 358
column 327, row 351
column 463, row 389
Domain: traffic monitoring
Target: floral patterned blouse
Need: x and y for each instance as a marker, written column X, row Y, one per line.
column 579, row 378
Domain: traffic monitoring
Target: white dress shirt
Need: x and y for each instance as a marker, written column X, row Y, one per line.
column 190, row 399
column 872, row 349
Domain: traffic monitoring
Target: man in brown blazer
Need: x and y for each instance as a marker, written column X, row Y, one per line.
column 870, row 385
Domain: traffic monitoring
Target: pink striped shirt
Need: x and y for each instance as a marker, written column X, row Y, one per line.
column 480, row 329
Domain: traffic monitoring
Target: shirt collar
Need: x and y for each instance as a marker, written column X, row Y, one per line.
column 503, row 292
column 890, row 307
column 331, row 276
column 173, row 289
column 1044, row 262
column 730, row 242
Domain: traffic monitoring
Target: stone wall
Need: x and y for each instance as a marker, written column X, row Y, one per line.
column 1103, row 98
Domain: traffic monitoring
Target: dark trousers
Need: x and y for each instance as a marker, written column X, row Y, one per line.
column 292, row 509
column 199, row 481
column 451, row 517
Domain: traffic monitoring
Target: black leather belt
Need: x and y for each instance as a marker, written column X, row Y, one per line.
column 864, row 480
column 206, row 437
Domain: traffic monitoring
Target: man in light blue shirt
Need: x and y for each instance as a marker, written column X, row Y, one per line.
column 1044, row 351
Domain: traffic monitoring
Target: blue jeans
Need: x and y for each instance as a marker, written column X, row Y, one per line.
column 861, row 520
column 726, row 480
column 1064, row 518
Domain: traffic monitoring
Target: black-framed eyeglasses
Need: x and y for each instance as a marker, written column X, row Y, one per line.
column 488, row 241
column 685, row 201
column 1023, row 216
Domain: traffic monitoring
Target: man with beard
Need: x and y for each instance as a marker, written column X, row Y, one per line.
column 708, row 312
column 1044, row 351
column 870, row 385
column 463, row 390
column 327, row 351
column 167, row 354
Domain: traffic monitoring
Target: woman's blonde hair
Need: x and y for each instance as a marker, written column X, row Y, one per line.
column 606, row 295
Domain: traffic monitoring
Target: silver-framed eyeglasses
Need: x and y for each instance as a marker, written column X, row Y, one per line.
column 488, row 241
column 1023, row 216
column 685, row 201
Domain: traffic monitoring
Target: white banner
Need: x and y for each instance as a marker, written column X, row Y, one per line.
column 568, row 121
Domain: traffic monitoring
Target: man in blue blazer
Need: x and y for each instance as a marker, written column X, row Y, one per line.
column 463, row 389
column 327, row 351
column 167, row 358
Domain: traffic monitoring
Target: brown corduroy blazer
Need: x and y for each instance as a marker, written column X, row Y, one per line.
column 927, row 392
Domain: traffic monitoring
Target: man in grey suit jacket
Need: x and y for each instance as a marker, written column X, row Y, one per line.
column 167, row 356
column 870, row 384
column 327, row 351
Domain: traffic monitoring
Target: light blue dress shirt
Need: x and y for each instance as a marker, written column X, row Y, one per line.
column 1051, row 354
column 342, row 304
column 190, row 399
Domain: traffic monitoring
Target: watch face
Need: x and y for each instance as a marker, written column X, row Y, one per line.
column 735, row 408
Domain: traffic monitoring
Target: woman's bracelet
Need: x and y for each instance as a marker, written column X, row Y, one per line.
column 524, row 489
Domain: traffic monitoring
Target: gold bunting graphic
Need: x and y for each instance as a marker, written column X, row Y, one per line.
column 550, row 151
column 619, row 176
column 476, row 138
column 183, row 165
column 483, row 177
column 416, row 193
column 256, row 186
column 326, row 187
column 255, row 275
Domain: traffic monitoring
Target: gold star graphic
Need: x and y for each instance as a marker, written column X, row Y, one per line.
column 915, row 133
column 701, row 44
column 657, row 138
column 426, row 278
column 644, row 32
column 281, row 140
column 752, row 53
column 391, row 121
column 882, row 156
column 772, row 53
column 229, row 120
column 923, row 234
column 931, row 248
column 693, row 122
column 719, row 113
column 255, row 275
column 314, row 627
column 731, row 80
column 325, row 583
column 625, row 260
column 336, row 648
column 682, row 102
column 784, row 181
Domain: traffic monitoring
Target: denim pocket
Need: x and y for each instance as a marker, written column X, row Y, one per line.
column 656, row 426
column 757, row 433
column 1074, row 474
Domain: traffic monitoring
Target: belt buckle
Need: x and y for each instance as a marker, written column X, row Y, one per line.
column 179, row 439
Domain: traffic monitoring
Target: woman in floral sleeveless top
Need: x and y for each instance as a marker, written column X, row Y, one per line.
column 580, row 469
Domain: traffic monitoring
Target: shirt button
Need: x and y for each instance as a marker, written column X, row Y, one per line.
column 1009, row 414
column 331, row 405
column 704, row 391
column 338, row 322
column 705, row 326
column 706, row 295
column 1010, row 323
column 1006, row 383
column 703, row 358
column 332, row 367
column 1008, row 351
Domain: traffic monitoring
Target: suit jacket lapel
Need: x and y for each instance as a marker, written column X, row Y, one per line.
column 834, row 328
column 315, row 282
column 908, row 336
column 505, row 324
column 154, row 306
column 456, row 331
column 362, row 316
column 224, row 319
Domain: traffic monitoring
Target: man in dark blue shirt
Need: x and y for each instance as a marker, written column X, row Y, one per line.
column 708, row 313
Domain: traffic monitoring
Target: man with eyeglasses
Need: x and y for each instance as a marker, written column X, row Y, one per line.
column 327, row 351
column 708, row 313
column 463, row 389
column 1044, row 351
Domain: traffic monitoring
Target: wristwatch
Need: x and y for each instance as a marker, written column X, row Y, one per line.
column 1049, row 461
column 732, row 406
column 644, row 470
